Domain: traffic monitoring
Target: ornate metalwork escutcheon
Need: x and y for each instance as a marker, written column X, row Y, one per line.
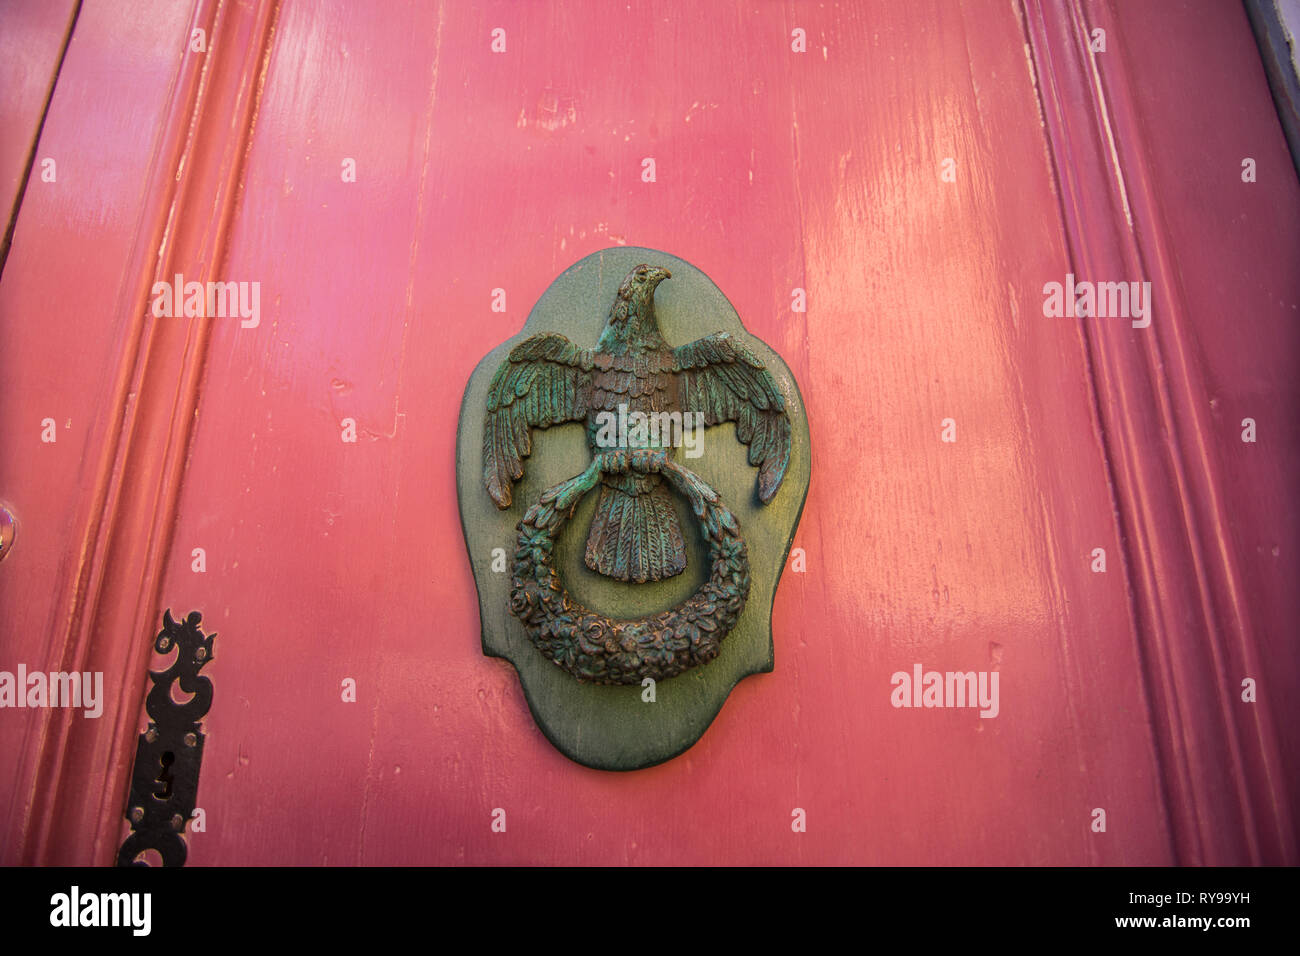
column 165, row 778
column 685, row 536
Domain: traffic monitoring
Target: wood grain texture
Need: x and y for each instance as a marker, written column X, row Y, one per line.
column 67, row 329
column 142, row 457
column 1229, row 254
column 776, row 170
column 33, row 38
column 1171, row 448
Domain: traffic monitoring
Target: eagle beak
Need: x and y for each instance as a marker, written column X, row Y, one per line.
column 659, row 275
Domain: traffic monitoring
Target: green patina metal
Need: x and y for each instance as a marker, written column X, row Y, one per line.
column 631, row 374
column 669, row 597
column 594, row 647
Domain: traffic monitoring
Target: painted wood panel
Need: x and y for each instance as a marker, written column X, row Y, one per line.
column 68, row 330
column 33, row 37
column 1227, row 252
column 774, row 170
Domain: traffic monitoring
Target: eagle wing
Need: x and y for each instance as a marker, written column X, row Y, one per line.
column 545, row 380
column 728, row 383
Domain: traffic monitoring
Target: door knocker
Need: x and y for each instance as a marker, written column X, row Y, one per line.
column 594, row 647
column 642, row 405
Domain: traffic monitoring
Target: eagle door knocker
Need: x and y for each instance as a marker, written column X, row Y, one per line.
column 634, row 606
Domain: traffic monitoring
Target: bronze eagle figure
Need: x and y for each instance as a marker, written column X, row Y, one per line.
column 547, row 380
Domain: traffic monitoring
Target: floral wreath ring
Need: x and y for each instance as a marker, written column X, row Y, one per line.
column 601, row 650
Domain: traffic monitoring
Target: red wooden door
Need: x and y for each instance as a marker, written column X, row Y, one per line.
column 921, row 171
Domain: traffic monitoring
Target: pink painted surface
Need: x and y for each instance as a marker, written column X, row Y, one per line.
column 1232, row 258
column 775, row 170
column 64, row 336
column 32, row 36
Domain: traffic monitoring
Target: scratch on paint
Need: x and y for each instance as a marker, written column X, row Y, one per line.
column 1112, row 149
column 399, row 416
column 419, row 212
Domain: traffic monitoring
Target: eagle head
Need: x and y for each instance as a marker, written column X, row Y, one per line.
column 632, row 319
column 640, row 283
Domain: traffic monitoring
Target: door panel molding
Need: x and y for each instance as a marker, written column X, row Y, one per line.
column 1194, row 595
column 192, row 199
column 1189, row 595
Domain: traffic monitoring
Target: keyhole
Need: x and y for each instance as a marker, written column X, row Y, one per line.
column 165, row 777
